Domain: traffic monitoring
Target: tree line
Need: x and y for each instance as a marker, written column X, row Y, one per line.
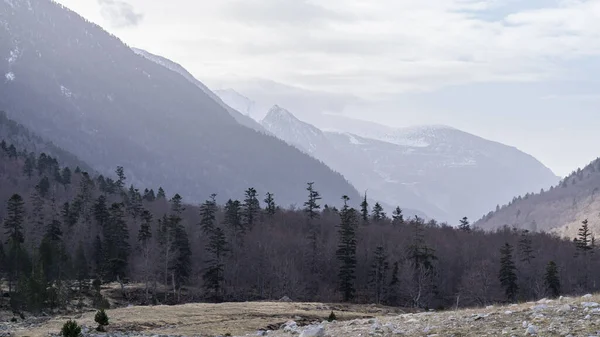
column 67, row 232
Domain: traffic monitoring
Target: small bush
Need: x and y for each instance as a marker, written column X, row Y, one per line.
column 331, row 317
column 71, row 329
column 102, row 319
column 14, row 320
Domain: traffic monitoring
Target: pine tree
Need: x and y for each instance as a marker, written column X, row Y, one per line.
column 251, row 208
column 120, row 177
column 16, row 256
column 552, row 280
column 214, row 272
column 508, row 272
column 346, row 251
column 116, row 243
column 311, row 209
column 43, row 187
column 419, row 253
column 208, row 215
column 233, row 220
column 378, row 274
column 464, row 225
column 65, row 176
column 378, row 213
column 394, row 283
column 583, row 243
column 149, row 195
column 161, row 194
column 101, row 213
column 29, row 166
column 525, row 247
column 270, row 207
column 69, row 217
column 397, row 217
column 364, row 210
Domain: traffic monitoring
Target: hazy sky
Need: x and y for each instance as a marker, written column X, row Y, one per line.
column 523, row 72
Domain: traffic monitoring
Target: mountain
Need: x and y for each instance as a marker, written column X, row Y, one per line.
column 238, row 101
column 243, row 119
column 561, row 208
column 442, row 171
column 81, row 88
column 23, row 139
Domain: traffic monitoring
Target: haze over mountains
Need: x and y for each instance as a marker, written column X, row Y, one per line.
column 441, row 171
column 83, row 89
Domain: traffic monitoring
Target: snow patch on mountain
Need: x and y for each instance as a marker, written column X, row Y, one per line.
column 10, row 76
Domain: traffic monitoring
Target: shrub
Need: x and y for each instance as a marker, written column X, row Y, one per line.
column 102, row 319
column 71, row 329
column 331, row 317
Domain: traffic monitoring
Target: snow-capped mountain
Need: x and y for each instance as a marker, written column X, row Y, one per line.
column 442, row 171
column 242, row 118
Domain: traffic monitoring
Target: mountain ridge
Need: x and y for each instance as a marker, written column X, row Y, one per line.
column 86, row 91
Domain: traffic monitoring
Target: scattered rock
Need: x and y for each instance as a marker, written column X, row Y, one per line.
column 285, row 299
column 587, row 296
column 317, row 331
column 590, row 304
column 531, row 330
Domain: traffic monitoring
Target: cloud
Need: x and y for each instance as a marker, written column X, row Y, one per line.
column 119, row 14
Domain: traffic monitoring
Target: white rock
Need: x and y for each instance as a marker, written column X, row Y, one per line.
column 539, row 307
column 531, row 330
column 525, row 324
column 508, row 312
column 290, row 326
column 317, row 331
column 590, row 304
column 587, row 296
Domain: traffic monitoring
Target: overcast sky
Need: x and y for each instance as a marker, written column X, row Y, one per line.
column 523, row 72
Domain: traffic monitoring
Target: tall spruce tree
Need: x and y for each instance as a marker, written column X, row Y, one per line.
column 208, row 212
column 311, row 209
column 364, row 210
column 397, row 217
column 251, row 208
column 270, row 206
column 214, row 275
column 120, row 183
column 378, row 213
column 584, row 239
column 233, row 221
column 552, row 280
column 346, row 251
column 16, row 257
column 144, row 243
column 161, row 194
column 378, row 274
column 508, row 272
column 526, row 247
column 464, row 225
column 116, row 243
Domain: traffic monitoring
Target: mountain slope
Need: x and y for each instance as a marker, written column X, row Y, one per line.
column 83, row 89
column 560, row 209
column 444, row 172
column 176, row 67
column 238, row 101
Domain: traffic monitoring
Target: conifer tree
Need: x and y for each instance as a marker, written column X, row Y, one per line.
column 584, row 236
column 214, row 272
column 378, row 274
column 552, row 280
column 29, row 166
column 161, row 194
column 525, row 247
column 270, row 207
column 116, row 243
column 208, row 215
column 394, row 283
column 251, row 208
column 378, row 213
column 364, row 210
column 233, row 220
column 397, row 217
column 311, row 209
column 43, row 187
column 101, row 213
column 346, row 251
column 120, row 183
column 13, row 223
column 65, row 176
column 419, row 253
column 464, row 225
column 149, row 195
column 69, row 217
column 508, row 272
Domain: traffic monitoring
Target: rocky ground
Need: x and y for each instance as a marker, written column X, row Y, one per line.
column 567, row 316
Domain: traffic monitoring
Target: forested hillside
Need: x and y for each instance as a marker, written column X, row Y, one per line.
column 63, row 227
column 562, row 208
column 81, row 88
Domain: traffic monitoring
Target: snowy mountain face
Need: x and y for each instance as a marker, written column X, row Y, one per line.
column 444, row 172
column 242, row 118
column 81, row 88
